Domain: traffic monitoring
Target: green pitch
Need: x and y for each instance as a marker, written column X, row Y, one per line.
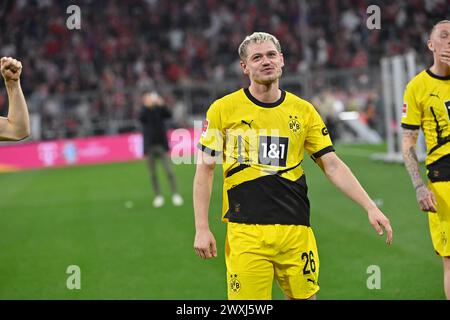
column 100, row 218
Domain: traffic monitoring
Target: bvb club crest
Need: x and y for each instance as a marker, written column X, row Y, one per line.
column 294, row 124
column 235, row 285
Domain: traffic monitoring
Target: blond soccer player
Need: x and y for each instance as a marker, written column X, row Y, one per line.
column 427, row 106
column 260, row 133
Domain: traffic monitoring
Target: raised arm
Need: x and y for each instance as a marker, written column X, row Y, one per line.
column 16, row 126
column 205, row 243
column 425, row 197
column 341, row 176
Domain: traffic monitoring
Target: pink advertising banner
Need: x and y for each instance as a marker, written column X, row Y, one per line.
column 80, row 151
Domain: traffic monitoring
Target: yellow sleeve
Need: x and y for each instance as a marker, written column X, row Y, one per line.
column 317, row 141
column 411, row 113
column 211, row 140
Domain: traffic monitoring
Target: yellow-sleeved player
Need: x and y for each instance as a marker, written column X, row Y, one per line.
column 265, row 144
column 260, row 134
column 427, row 106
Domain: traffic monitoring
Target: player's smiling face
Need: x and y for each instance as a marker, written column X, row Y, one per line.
column 440, row 39
column 263, row 63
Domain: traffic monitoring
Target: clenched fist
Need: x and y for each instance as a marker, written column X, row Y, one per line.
column 10, row 68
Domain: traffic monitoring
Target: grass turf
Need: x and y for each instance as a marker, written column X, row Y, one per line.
column 100, row 218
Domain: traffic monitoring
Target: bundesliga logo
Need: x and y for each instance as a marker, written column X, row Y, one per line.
column 205, row 127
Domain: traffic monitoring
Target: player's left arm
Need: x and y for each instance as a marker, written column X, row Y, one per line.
column 341, row 176
column 17, row 125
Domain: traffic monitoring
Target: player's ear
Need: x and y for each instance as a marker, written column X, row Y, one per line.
column 282, row 59
column 244, row 67
column 430, row 46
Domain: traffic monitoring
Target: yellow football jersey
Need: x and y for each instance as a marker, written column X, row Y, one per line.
column 427, row 105
column 261, row 147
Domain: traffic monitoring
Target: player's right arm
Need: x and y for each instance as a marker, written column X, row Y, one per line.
column 411, row 123
column 425, row 197
column 211, row 145
column 17, row 125
column 204, row 243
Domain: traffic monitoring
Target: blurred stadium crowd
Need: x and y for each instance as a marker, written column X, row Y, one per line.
column 85, row 78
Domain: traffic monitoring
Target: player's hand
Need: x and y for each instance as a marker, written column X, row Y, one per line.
column 377, row 220
column 426, row 199
column 205, row 244
column 445, row 56
column 10, row 68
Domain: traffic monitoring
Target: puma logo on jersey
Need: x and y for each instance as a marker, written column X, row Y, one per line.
column 434, row 95
column 247, row 123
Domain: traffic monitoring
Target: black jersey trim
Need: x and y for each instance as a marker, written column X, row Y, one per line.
column 440, row 139
column 440, row 142
column 207, row 150
column 320, row 153
column 410, row 126
column 243, row 166
column 237, row 169
column 431, row 74
column 439, row 170
column 288, row 169
column 265, row 104
column 271, row 199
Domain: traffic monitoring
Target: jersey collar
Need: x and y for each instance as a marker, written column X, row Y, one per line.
column 265, row 104
column 431, row 74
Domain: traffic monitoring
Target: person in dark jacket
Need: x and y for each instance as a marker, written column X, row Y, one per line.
column 153, row 115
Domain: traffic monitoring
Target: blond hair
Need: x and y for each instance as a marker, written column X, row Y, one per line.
column 257, row 37
column 440, row 22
